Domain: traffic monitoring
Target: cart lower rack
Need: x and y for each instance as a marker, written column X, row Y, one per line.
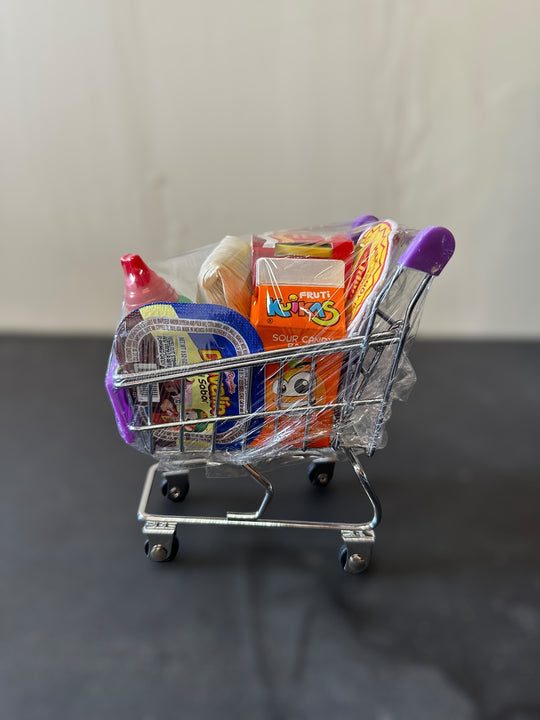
column 374, row 371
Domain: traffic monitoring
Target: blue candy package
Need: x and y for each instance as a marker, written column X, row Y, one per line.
column 171, row 335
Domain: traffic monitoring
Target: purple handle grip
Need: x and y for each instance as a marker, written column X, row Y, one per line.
column 429, row 251
column 364, row 220
column 120, row 403
column 358, row 222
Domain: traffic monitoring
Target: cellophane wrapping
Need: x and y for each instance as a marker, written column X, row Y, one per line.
column 296, row 343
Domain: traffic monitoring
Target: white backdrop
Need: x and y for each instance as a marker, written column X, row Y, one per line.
column 153, row 126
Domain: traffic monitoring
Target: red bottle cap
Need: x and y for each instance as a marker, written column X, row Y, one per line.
column 142, row 285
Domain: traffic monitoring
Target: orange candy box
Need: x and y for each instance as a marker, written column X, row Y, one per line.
column 300, row 302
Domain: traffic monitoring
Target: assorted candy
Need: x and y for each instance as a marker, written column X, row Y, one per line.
column 274, row 291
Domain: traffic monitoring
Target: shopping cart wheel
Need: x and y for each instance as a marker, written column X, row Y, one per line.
column 175, row 486
column 354, row 563
column 320, row 473
column 355, row 554
column 158, row 552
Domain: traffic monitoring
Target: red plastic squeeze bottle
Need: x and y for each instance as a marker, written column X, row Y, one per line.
column 142, row 285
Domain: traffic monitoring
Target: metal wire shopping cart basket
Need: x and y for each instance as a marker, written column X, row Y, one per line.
column 373, row 369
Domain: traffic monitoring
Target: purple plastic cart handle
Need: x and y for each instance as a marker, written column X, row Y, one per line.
column 429, row 251
column 120, row 403
column 364, row 220
column 358, row 222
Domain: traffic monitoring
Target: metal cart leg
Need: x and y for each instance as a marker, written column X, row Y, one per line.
column 357, row 549
column 268, row 494
column 361, row 475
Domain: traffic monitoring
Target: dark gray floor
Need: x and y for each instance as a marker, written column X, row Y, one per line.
column 263, row 623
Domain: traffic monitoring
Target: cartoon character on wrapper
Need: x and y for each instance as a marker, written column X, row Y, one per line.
column 293, row 387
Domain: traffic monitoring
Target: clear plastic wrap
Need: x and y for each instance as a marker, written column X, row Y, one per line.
column 300, row 345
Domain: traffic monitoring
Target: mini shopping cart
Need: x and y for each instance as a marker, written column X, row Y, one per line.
column 375, row 371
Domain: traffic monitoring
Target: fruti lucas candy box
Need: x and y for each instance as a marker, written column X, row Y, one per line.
column 299, row 302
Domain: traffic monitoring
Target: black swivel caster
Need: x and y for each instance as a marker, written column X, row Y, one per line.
column 354, row 563
column 158, row 552
column 355, row 554
column 175, row 486
column 320, row 473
